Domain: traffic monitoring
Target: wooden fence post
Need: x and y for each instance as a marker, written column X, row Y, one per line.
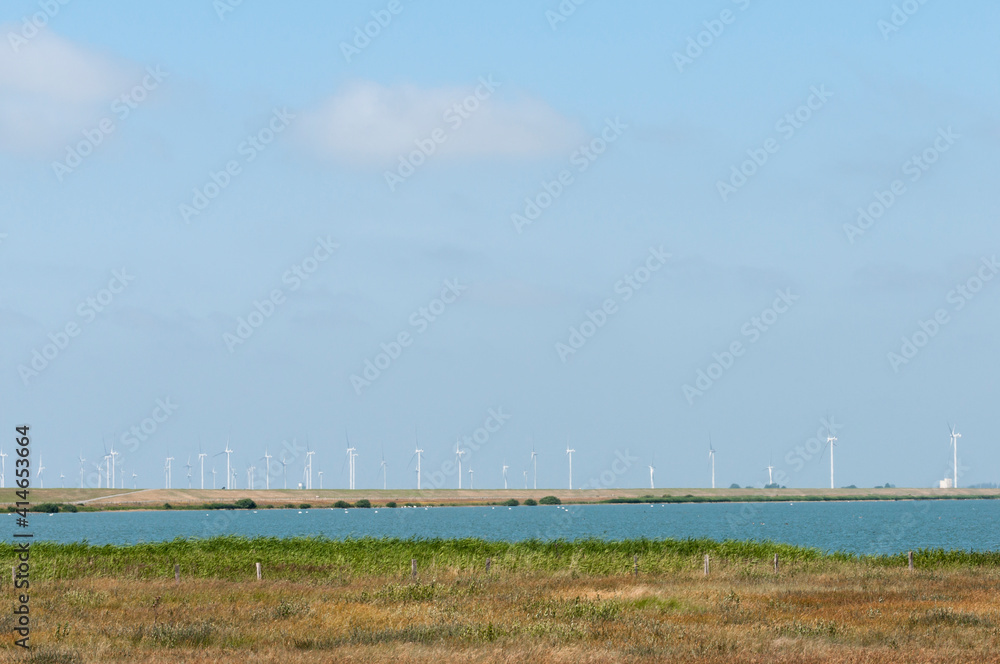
column 258, row 572
column 775, row 563
column 488, row 562
column 413, row 567
column 909, row 557
column 177, row 573
column 635, row 565
column 706, row 564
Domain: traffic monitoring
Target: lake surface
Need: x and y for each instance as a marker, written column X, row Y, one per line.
column 857, row 527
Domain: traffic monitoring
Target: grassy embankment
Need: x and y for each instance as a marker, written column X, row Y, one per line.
column 323, row 600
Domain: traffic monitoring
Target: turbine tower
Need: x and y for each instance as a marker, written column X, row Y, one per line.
column 470, row 479
column 284, row 472
column 113, row 455
column 711, row 457
column 770, row 475
column 320, row 480
column 309, row 469
column 267, row 469
column 201, row 459
column 569, row 453
column 133, row 479
column 459, row 452
column 41, row 469
column 250, row 470
column 62, row 480
column 167, row 468
column 350, row 462
column 652, row 469
column 3, row 467
column 505, row 467
column 954, row 444
column 534, row 462
column 228, row 451
column 82, row 460
column 188, row 467
column 233, row 478
column 525, row 479
column 831, row 441
column 382, row 466
column 213, row 478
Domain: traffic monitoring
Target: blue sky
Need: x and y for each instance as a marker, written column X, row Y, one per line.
column 272, row 82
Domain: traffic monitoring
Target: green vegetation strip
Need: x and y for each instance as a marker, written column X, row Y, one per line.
column 321, row 559
column 790, row 498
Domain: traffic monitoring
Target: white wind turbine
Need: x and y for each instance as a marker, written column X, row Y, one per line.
column 201, row 459
column 41, row 469
column 228, row 451
column 189, row 468
column 250, row 470
column 382, row 466
column 831, row 441
column 3, row 467
column 169, row 459
column 213, row 478
column 569, row 453
column 505, row 467
column 350, row 462
column 114, row 454
column 770, row 473
column 284, row 471
column 417, row 454
column 133, row 479
column 107, row 469
column 652, row 469
column 82, row 460
column 233, row 478
column 534, row 461
column 459, row 453
column 525, row 479
column 267, row 469
column 471, row 486
column 354, row 474
column 320, row 480
column 954, row 444
column 309, row 469
column 711, row 457
column 62, row 480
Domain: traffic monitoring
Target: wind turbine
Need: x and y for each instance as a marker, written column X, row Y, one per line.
column 534, row 461
column 169, row 459
column 459, row 453
column 525, row 479
column 201, row 459
column 711, row 457
column 309, row 469
column 227, row 452
column 569, row 453
column 652, row 469
column 133, row 479
column 62, row 480
column 350, row 462
column 321, row 480
column 250, row 470
column 82, row 460
column 267, row 469
column 3, row 467
column 471, row 486
column 41, row 469
column 382, row 466
column 213, row 478
column 284, row 471
column 113, row 459
column 770, row 476
column 831, row 441
column 954, row 444
column 107, row 469
column 505, row 467
column 189, row 467
column 232, row 484
column 417, row 454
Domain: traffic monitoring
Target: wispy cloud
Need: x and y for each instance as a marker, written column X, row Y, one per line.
column 51, row 89
column 370, row 124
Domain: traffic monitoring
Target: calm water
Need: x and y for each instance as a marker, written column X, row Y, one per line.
column 859, row 527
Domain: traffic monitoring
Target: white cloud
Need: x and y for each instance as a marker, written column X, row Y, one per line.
column 51, row 89
column 368, row 123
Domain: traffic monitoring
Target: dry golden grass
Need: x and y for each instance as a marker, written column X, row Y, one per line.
column 835, row 612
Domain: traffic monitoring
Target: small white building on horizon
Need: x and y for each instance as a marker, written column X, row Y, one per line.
column 945, row 483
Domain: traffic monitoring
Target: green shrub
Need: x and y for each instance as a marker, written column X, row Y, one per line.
column 364, row 502
column 342, row 504
column 246, row 504
column 391, row 503
column 510, row 503
column 531, row 502
column 550, row 500
column 50, row 508
column 734, row 486
column 168, row 506
column 68, row 508
column 304, row 506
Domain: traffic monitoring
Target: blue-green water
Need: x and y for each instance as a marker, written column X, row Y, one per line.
column 858, row 527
